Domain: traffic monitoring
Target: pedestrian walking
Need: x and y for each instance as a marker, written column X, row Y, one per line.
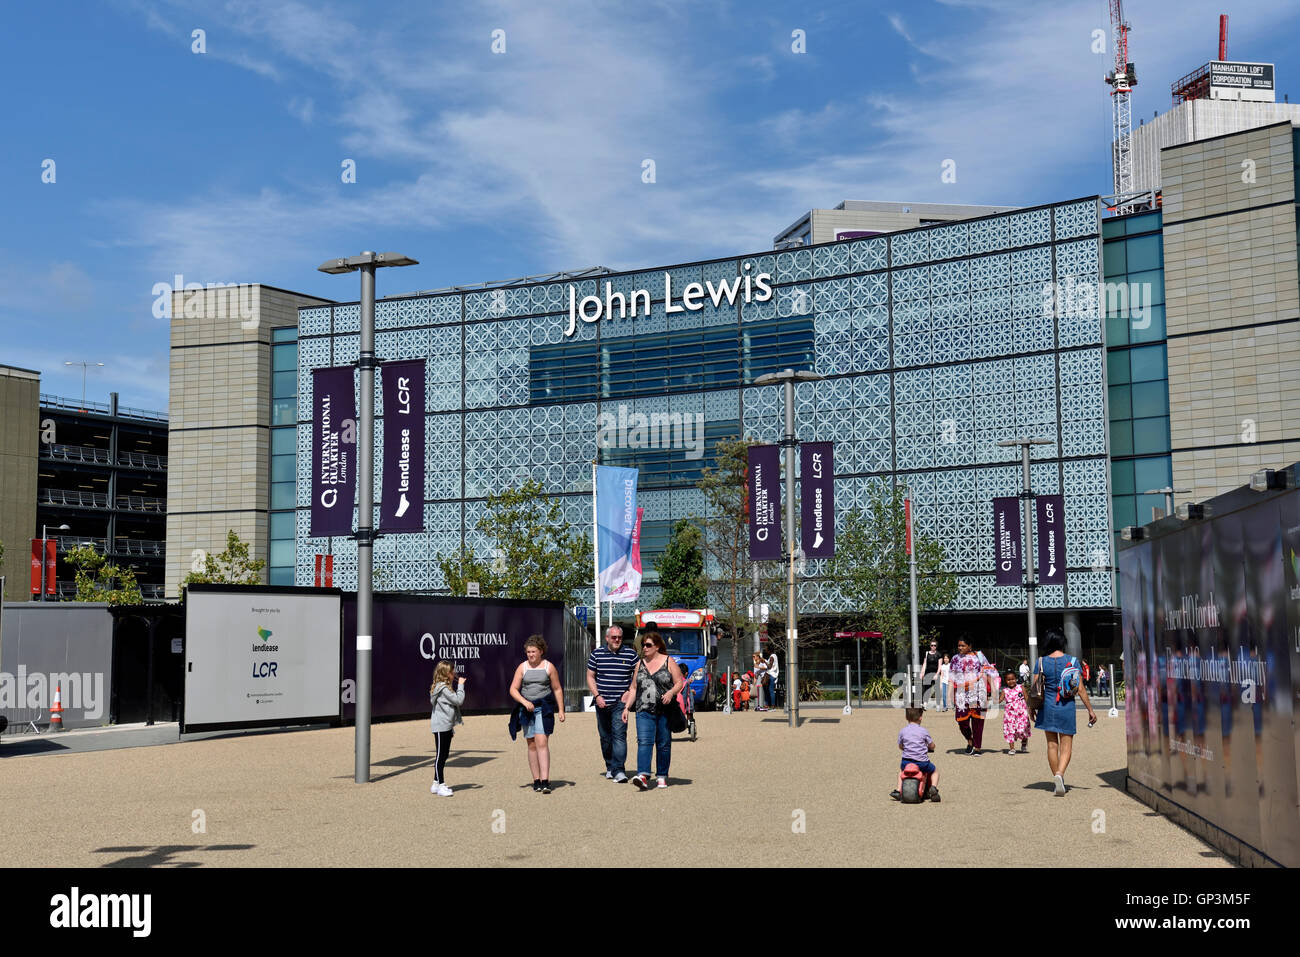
column 944, row 667
column 446, row 696
column 1062, row 680
column 930, row 669
column 609, row 670
column 654, row 688
column 970, row 693
column 773, row 674
column 1024, row 672
column 1015, row 714
column 536, row 686
column 760, row 681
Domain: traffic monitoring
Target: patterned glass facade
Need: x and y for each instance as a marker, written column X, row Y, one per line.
column 935, row 344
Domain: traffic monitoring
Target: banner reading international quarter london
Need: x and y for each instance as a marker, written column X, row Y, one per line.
column 764, row 503
column 1008, row 557
column 817, row 499
column 333, row 454
column 616, row 534
column 1051, row 539
column 402, row 502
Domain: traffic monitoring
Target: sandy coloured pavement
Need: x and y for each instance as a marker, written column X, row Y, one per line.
column 738, row 794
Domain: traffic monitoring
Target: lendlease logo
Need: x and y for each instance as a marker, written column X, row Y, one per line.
column 35, row 691
column 76, row 910
column 263, row 635
column 757, row 288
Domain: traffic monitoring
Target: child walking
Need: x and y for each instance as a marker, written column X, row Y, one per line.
column 446, row 696
column 1015, row 717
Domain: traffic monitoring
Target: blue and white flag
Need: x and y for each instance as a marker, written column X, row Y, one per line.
column 619, row 577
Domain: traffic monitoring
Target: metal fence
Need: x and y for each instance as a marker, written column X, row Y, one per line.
column 577, row 646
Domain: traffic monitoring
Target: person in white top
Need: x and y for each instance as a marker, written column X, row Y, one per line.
column 943, row 683
column 773, row 673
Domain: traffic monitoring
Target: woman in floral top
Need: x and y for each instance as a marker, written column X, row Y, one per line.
column 973, row 682
column 1015, row 717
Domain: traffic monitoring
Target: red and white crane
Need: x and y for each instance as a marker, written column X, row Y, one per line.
column 1121, row 79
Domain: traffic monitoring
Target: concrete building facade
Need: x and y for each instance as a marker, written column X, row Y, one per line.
column 19, row 437
column 220, row 419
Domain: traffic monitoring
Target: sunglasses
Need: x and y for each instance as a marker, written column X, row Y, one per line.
column 648, row 644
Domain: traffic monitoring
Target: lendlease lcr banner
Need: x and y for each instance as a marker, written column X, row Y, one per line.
column 1008, row 557
column 261, row 655
column 333, row 453
column 483, row 638
column 1050, row 536
column 764, row 503
column 817, row 499
column 1211, row 624
column 401, row 507
column 618, row 524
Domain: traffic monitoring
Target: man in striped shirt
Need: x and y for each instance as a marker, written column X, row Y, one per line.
column 609, row 675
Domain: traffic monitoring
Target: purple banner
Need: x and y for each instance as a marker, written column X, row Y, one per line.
column 401, row 506
column 1051, row 539
column 334, row 451
column 817, row 499
column 1008, row 546
column 483, row 638
column 764, row 503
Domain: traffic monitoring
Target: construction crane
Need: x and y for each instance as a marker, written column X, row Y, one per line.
column 1121, row 79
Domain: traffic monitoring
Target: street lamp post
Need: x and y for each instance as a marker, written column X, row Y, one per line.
column 44, row 548
column 1027, row 495
column 84, row 366
column 366, row 264
column 1168, row 492
column 789, row 377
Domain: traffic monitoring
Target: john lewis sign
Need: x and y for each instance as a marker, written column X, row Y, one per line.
column 694, row 296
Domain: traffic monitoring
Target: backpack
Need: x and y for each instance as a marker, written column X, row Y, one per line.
column 1067, row 685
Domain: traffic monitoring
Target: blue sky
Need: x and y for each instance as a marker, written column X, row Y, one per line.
column 225, row 166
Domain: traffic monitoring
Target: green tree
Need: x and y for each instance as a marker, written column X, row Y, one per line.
column 725, row 542
column 231, row 567
column 681, row 567
column 870, row 568
column 98, row 579
column 538, row 555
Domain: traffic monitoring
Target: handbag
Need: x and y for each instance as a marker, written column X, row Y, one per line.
column 1037, row 689
column 676, row 716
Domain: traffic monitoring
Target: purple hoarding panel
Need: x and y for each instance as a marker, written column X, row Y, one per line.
column 1009, row 561
column 817, row 499
column 402, row 500
column 483, row 638
column 333, row 452
column 764, row 503
column 1051, row 539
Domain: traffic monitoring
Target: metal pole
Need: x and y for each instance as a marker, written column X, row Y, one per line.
column 792, row 624
column 848, row 688
column 1114, row 706
column 595, row 545
column 858, row 643
column 365, row 519
column 1030, row 584
column 917, row 700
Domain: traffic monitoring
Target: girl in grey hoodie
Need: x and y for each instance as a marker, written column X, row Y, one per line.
column 446, row 696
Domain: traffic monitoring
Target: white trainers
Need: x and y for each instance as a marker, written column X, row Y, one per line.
column 1060, row 786
column 663, row 782
column 444, row 791
column 641, row 781
column 609, row 776
column 433, row 788
column 620, row 778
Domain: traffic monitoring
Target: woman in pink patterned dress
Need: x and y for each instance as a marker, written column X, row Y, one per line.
column 1015, row 717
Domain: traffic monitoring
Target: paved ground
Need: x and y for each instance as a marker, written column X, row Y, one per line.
column 751, row 789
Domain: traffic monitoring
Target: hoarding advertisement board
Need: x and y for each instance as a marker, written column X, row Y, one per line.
column 1009, row 562
column 817, row 499
column 260, row 656
column 764, row 503
column 1051, row 539
column 1210, row 616
column 483, row 639
column 333, row 454
column 401, row 507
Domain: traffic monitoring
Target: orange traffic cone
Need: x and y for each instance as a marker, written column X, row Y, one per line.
column 56, row 709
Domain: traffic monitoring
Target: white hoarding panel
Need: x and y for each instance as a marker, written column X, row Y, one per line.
column 261, row 656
